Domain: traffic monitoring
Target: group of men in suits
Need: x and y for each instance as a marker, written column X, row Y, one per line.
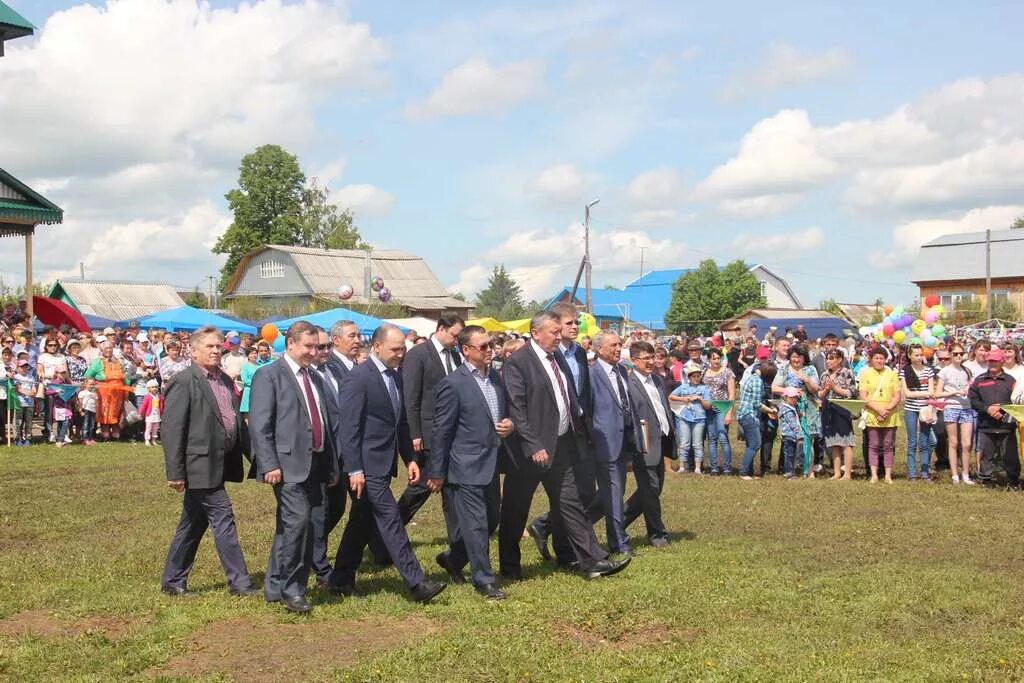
column 323, row 428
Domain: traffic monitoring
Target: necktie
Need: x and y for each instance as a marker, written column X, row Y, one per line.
column 314, row 412
column 393, row 391
column 447, row 361
column 623, row 396
column 561, row 388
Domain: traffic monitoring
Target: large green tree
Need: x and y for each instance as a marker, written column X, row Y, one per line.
column 501, row 299
column 324, row 225
column 704, row 297
column 267, row 205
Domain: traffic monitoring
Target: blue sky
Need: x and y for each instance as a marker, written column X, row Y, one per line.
column 825, row 141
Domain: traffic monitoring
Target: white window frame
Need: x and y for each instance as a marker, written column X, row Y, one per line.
column 271, row 269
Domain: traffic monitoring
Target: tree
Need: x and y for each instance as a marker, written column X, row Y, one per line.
column 501, row 299
column 1018, row 224
column 323, row 225
column 196, row 299
column 267, row 205
column 703, row 298
column 832, row 307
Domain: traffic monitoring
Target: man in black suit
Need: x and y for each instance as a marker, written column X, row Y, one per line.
column 293, row 444
column 470, row 419
column 654, row 439
column 545, row 446
column 374, row 431
column 424, row 367
column 572, row 359
column 203, row 439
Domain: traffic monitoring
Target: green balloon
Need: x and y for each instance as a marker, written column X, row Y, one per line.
column 939, row 330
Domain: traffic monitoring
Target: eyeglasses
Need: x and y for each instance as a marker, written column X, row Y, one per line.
column 51, row 346
column 944, row 358
column 958, row 353
column 483, row 348
column 643, row 358
column 8, row 341
column 322, row 347
column 574, row 323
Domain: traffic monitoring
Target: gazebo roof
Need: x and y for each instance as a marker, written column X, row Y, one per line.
column 12, row 25
column 21, row 207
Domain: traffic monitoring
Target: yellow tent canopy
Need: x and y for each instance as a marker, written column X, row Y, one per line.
column 588, row 325
column 489, row 324
column 521, row 326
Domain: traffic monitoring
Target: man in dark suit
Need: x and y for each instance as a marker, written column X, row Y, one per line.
column 654, row 439
column 470, row 419
column 572, row 360
column 545, row 446
column 424, row 367
column 611, row 433
column 203, row 439
column 374, row 431
column 293, row 444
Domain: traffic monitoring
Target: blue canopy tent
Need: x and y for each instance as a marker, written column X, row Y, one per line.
column 98, row 322
column 815, row 327
column 188, row 319
column 325, row 319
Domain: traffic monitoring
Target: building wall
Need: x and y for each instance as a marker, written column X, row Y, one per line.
column 271, row 273
column 774, row 290
column 951, row 290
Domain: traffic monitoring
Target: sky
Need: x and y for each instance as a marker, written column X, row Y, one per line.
column 826, row 141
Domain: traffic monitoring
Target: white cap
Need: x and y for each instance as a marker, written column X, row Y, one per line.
column 142, row 337
column 101, row 338
column 152, row 383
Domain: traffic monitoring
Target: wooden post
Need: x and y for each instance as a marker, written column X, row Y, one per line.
column 28, row 273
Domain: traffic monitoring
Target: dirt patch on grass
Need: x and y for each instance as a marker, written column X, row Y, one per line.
column 248, row 650
column 42, row 623
column 643, row 635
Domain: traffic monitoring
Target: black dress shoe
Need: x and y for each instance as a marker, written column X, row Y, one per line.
column 659, row 542
column 511, row 577
column 346, row 589
column 541, row 539
column 607, row 568
column 296, row 604
column 177, row 591
column 426, row 591
column 444, row 562
column 490, row 591
column 571, row 565
column 245, row 592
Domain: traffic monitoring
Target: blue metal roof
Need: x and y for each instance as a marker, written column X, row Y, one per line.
column 642, row 305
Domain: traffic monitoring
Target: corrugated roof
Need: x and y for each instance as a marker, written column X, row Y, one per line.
column 16, row 25
column 19, row 202
column 961, row 256
column 119, row 300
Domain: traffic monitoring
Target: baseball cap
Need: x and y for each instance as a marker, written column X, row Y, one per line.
column 762, row 353
column 691, row 368
column 234, row 341
column 996, row 355
column 22, row 362
column 143, row 337
column 152, row 383
column 108, row 331
column 101, row 338
column 791, row 392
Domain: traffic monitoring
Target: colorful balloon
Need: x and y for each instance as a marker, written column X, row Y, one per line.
column 887, row 309
column 345, row 292
column 938, row 308
column 931, row 317
column 939, row 330
column 384, row 295
column 887, row 329
column 269, row 332
column 917, row 326
column 377, row 283
column 899, row 336
column 898, row 310
column 928, row 351
column 932, row 300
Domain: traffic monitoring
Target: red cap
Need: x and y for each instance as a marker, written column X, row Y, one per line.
column 763, row 353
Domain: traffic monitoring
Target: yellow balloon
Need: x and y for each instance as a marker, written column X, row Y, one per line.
column 899, row 336
column 917, row 326
column 938, row 309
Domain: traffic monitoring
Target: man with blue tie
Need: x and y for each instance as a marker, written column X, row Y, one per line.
column 611, row 432
column 374, row 432
column 294, row 449
column 470, row 418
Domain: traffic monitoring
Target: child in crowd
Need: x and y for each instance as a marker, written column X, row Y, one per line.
column 693, row 399
column 151, row 410
column 88, row 403
column 25, row 387
column 790, row 430
column 61, row 419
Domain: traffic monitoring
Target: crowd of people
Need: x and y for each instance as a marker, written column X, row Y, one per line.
column 483, row 419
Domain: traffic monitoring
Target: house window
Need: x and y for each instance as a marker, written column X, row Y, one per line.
column 947, row 301
column 764, row 288
column 950, row 300
column 1000, row 295
column 271, row 269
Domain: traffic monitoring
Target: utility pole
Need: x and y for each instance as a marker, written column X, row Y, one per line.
column 642, row 250
column 586, row 254
column 988, row 275
column 211, row 293
column 81, row 270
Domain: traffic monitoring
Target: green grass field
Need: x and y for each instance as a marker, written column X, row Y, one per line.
column 766, row 580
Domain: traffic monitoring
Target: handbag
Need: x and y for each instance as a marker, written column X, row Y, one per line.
column 131, row 413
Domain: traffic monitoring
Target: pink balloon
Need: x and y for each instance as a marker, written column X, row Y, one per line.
column 930, row 317
column 887, row 329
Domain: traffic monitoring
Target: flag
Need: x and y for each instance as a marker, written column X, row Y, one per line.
column 1014, row 410
column 65, row 391
column 723, row 406
column 855, row 406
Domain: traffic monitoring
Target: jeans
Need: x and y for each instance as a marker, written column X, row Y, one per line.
column 769, row 428
column 88, row 425
column 62, row 430
column 751, row 427
column 23, row 432
column 691, row 434
column 789, row 447
column 720, row 450
column 920, row 441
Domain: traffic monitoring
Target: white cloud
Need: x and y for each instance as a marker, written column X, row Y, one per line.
column 328, row 173
column 364, row 200
column 781, row 246
column 657, row 188
column 559, row 185
column 760, row 206
column 476, row 87
column 910, row 235
column 784, row 66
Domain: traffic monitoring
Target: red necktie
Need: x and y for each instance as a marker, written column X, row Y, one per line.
column 314, row 413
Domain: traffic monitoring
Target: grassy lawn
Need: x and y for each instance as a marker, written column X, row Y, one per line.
column 766, row 580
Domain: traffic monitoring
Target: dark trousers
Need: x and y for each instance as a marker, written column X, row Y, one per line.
column 325, row 519
column 291, row 554
column 611, row 488
column 567, row 514
column 768, row 431
column 999, row 451
column 586, row 484
column 200, row 509
column 646, row 500
column 378, row 509
column 415, row 495
column 471, row 512
column 48, row 401
column 88, row 425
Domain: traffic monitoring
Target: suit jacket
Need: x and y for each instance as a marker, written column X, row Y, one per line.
column 422, row 371
column 371, row 434
column 332, row 405
column 465, row 443
column 280, row 428
column 581, row 360
column 533, row 408
column 643, row 409
column 606, row 418
column 193, row 436
column 337, row 368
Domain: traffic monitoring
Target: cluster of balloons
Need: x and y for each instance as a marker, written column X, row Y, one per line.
column 902, row 327
column 269, row 333
column 346, row 291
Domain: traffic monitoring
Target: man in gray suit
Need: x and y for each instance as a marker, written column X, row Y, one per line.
column 469, row 419
column 203, row 439
column 327, row 515
column 295, row 452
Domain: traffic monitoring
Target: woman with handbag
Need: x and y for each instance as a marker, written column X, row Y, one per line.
column 111, row 385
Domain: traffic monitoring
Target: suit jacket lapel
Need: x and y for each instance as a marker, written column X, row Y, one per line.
column 387, row 393
column 544, row 373
column 204, row 388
